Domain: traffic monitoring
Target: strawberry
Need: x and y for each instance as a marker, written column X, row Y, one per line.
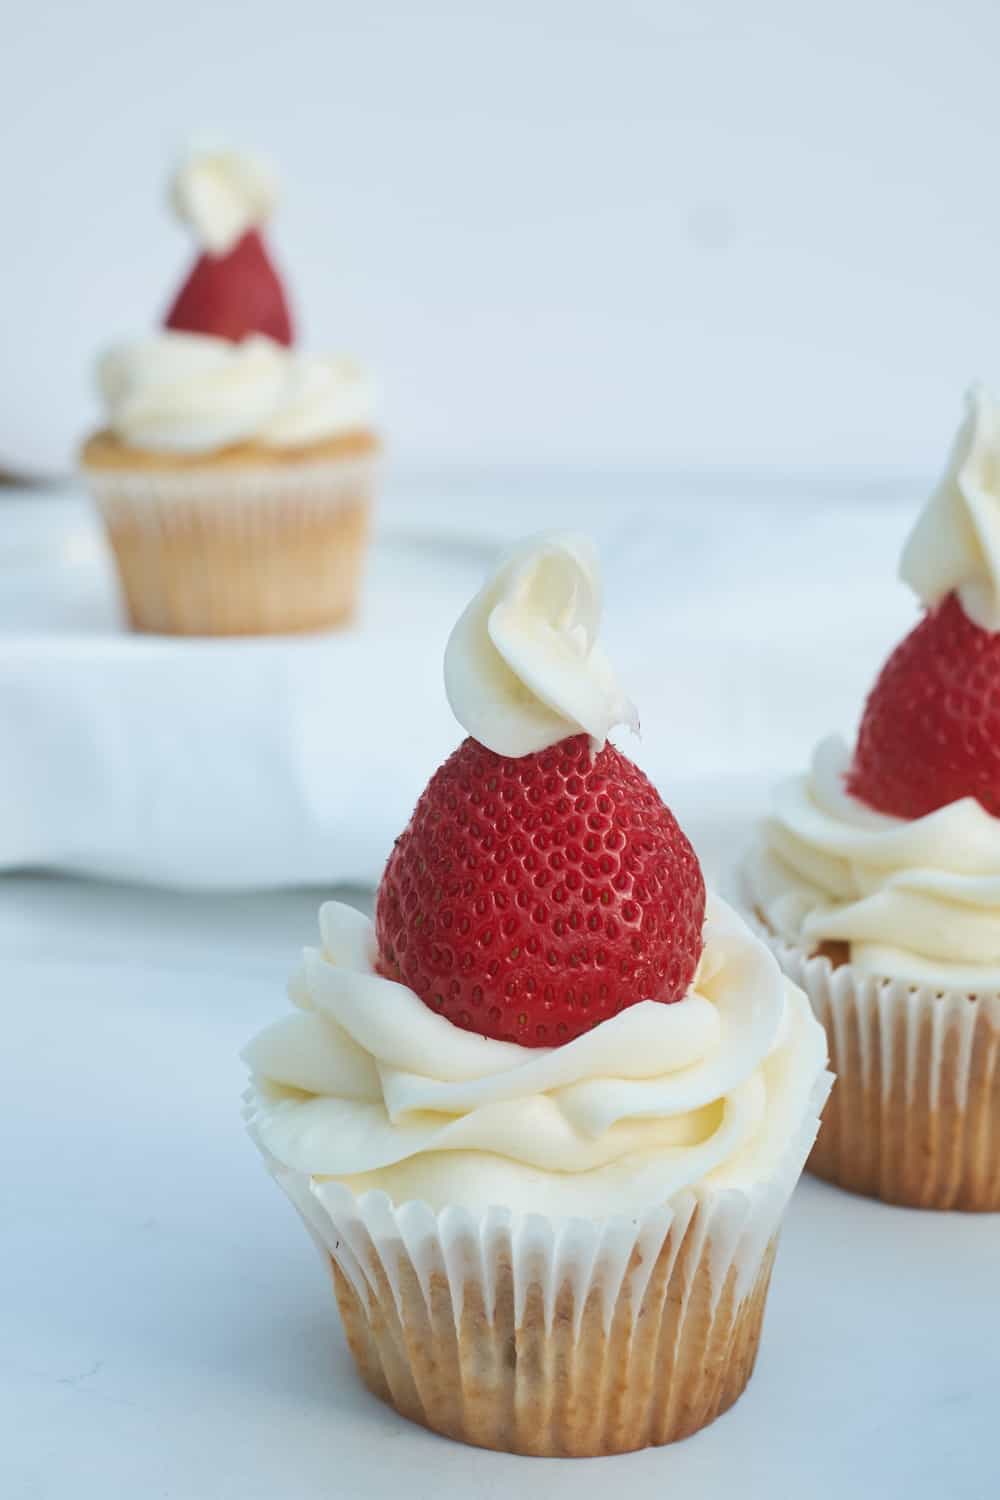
column 931, row 727
column 530, row 899
column 233, row 295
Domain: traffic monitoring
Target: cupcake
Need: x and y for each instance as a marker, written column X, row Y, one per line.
column 542, row 1118
column 233, row 472
column 877, row 876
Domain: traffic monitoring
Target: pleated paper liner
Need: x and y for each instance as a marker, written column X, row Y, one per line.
column 557, row 1338
column 272, row 549
column 914, row 1115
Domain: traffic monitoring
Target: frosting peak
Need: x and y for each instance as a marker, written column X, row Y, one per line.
column 522, row 667
column 365, row 1084
column 222, row 194
column 955, row 543
column 192, row 393
column 915, row 899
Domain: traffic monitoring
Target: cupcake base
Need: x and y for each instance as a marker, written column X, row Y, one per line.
column 192, row 576
column 555, row 1337
column 668, row 1365
column 914, row 1114
column 236, row 548
column 567, row 1338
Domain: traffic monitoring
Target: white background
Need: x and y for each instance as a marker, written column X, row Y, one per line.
column 617, row 232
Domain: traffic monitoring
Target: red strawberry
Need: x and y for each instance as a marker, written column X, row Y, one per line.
column 530, row 899
column 931, row 728
column 233, row 295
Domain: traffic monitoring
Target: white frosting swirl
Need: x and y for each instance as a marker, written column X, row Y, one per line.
column 523, row 669
column 191, row 393
column 956, row 541
column 367, row 1085
column 222, row 194
column 916, row 899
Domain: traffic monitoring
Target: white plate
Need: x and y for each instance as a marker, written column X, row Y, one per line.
column 745, row 624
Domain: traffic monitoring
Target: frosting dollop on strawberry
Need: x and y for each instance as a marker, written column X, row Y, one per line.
column 955, row 544
column 219, row 195
column 523, row 668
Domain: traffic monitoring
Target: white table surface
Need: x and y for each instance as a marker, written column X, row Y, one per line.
column 167, row 1328
column 169, row 1332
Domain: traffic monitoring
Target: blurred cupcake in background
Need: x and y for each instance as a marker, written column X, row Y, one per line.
column 234, row 472
column 877, row 876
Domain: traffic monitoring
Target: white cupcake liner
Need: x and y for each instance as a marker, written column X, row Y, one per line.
column 914, row 1116
column 546, row 1336
column 325, row 481
column 233, row 550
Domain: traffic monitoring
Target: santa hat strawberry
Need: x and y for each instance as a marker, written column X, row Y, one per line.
column 233, row 290
column 930, row 734
column 541, row 885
